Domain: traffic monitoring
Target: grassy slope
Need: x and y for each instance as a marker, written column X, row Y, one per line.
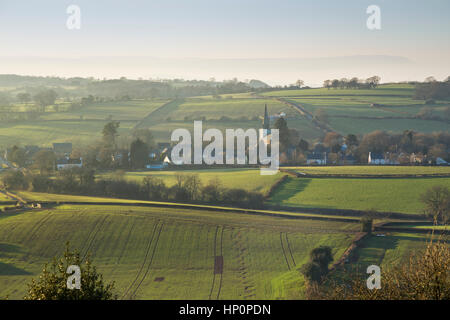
column 345, row 105
column 390, row 195
column 67, row 126
column 390, row 250
column 118, row 239
column 46, row 132
column 396, row 101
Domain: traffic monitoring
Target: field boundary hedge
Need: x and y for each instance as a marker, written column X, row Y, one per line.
column 396, row 227
column 350, row 212
column 275, row 186
column 349, row 253
column 365, row 176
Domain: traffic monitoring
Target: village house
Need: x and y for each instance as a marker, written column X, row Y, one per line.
column 417, row 158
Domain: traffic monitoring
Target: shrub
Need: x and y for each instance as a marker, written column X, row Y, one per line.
column 52, row 283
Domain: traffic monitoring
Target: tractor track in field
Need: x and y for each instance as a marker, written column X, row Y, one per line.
column 150, row 262
column 215, row 253
column 38, row 226
column 287, row 248
column 284, row 252
column 218, row 259
column 147, row 250
column 221, row 254
column 143, row 262
column 94, row 233
column 249, row 288
column 126, row 241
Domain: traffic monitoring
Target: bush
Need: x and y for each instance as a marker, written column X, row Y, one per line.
column 52, row 283
column 425, row 276
column 366, row 224
column 437, row 203
column 15, row 180
column 317, row 268
column 312, row 272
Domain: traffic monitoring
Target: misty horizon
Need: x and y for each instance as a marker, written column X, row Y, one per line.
column 273, row 71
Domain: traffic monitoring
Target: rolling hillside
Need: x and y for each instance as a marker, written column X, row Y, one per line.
column 164, row 253
column 388, row 107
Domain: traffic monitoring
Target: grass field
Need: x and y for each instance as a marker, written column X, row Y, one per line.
column 390, row 250
column 349, row 111
column 115, row 110
column 79, row 127
column 242, row 113
column 260, row 254
column 248, row 179
column 371, row 170
column 4, row 197
column 388, row 195
column 44, row 133
column 395, row 113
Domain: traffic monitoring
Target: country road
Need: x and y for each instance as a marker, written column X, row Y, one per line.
column 319, row 125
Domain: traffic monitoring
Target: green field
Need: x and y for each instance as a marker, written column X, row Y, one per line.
column 260, row 254
column 351, row 111
column 44, row 133
column 248, row 179
column 115, row 110
column 388, row 195
column 4, row 197
column 79, row 127
column 391, row 249
column 242, row 113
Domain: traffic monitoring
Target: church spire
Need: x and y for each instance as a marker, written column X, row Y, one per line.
column 266, row 122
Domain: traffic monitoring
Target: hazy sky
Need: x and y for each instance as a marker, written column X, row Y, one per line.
column 217, row 38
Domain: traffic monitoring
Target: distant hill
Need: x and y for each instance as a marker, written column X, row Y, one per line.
column 258, row 84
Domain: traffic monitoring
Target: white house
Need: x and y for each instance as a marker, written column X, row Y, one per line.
column 440, row 161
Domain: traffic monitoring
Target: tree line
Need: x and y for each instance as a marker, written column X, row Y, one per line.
column 188, row 188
